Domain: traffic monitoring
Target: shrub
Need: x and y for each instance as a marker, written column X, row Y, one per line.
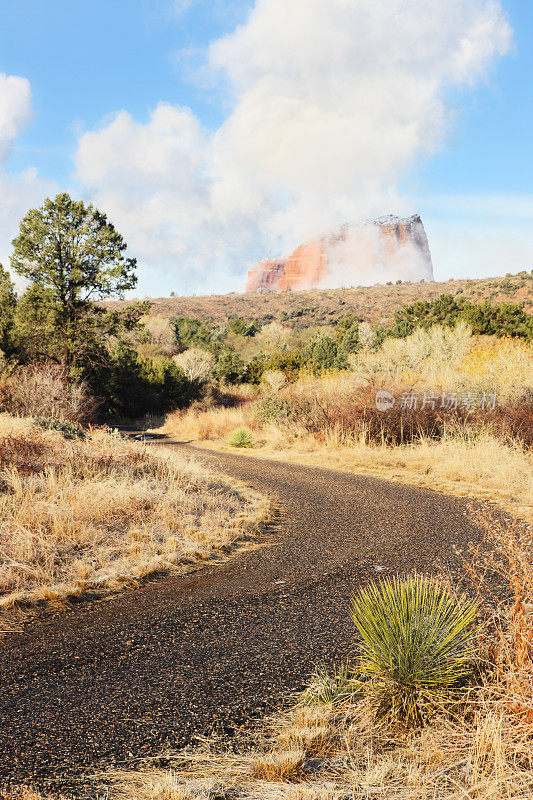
column 240, row 437
column 324, row 407
column 417, row 644
column 131, row 386
column 41, row 390
column 230, row 367
column 69, row 429
column 272, row 409
column 503, row 319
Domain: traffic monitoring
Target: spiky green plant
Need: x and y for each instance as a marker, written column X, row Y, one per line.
column 417, row 645
column 240, row 437
column 330, row 686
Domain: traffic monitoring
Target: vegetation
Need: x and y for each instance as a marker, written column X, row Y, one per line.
column 240, row 437
column 375, row 305
column 57, row 342
column 462, row 418
column 85, row 512
column 72, row 256
column 503, row 319
column 417, row 643
column 129, row 362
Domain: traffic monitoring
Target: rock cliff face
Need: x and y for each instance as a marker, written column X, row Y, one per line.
column 385, row 249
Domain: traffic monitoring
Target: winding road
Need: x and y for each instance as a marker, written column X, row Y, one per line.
column 111, row 681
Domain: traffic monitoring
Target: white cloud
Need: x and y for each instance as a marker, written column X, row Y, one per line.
column 151, row 180
column 18, row 192
column 15, row 111
column 335, row 98
column 330, row 102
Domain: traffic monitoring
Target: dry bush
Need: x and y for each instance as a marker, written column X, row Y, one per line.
column 505, row 365
column 197, row 364
column 512, row 420
column 160, row 333
column 338, row 404
column 431, row 357
column 201, row 424
column 97, row 513
column 41, row 390
column 451, row 359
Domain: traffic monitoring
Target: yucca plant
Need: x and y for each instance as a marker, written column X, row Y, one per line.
column 417, row 645
column 240, row 437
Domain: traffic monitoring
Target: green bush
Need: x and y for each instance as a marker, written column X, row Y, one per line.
column 69, row 429
column 417, row 645
column 131, row 386
column 190, row 332
column 503, row 319
column 230, row 367
column 272, row 409
column 240, row 437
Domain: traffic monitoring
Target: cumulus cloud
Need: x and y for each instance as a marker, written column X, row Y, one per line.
column 15, row 110
column 151, row 179
column 18, row 192
column 330, row 102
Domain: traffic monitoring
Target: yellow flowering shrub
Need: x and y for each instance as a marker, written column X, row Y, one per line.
column 505, row 364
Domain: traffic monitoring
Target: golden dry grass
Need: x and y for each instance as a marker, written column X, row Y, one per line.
column 483, row 758
column 95, row 514
column 478, row 466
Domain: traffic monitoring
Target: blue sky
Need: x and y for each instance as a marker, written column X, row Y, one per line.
column 466, row 166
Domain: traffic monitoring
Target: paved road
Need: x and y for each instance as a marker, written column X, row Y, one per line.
column 109, row 681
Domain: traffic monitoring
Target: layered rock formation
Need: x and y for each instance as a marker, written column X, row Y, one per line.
column 385, row 249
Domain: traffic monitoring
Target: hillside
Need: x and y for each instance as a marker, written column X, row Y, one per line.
column 374, row 304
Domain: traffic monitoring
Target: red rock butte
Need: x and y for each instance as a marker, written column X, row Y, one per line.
column 368, row 252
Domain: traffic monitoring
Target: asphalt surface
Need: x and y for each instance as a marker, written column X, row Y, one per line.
column 108, row 682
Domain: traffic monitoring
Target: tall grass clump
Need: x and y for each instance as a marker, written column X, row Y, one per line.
column 417, row 644
column 329, row 686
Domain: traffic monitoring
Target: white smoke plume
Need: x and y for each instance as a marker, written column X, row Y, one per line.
column 364, row 256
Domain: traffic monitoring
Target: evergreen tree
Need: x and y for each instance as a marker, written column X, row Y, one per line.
column 74, row 256
column 8, row 302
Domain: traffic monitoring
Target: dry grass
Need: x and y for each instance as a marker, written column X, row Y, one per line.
column 480, row 749
column 333, row 421
column 201, row 425
column 483, row 758
column 477, row 465
column 96, row 514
